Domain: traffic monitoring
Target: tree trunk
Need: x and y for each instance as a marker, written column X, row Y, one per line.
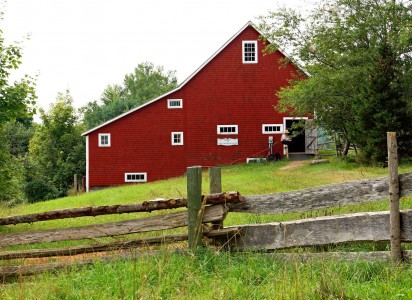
column 346, row 148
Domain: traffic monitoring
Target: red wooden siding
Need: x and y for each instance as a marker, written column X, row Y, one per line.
column 224, row 92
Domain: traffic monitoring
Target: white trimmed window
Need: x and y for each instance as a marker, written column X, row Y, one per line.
column 174, row 103
column 227, row 129
column 135, row 177
column 177, row 138
column 104, row 139
column 272, row 128
column 249, row 52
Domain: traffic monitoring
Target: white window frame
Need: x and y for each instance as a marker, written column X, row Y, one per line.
column 170, row 101
column 180, row 133
column 255, row 61
column 219, row 127
column 135, row 180
column 101, row 135
column 264, row 131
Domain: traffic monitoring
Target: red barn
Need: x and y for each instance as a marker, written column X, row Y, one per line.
column 222, row 114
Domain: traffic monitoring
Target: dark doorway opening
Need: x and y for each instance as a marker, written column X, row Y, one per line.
column 297, row 133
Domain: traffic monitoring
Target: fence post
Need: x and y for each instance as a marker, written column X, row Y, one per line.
column 194, row 201
column 76, row 189
column 395, row 224
column 215, row 186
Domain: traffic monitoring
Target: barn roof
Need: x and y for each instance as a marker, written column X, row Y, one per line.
column 184, row 82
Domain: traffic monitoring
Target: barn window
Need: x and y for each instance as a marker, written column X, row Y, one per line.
column 104, row 139
column 177, row 138
column 174, row 103
column 249, row 51
column 227, row 129
column 135, row 177
column 272, row 128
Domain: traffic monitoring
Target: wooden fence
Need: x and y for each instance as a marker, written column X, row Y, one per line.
column 213, row 208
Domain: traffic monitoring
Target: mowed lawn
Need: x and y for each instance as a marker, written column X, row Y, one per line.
column 217, row 275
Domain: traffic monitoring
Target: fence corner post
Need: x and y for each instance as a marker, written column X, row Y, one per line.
column 215, row 186
column 194, row 201
column 395, row 223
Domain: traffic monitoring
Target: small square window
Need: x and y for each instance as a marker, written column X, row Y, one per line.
column 135, row 177
column 272, row 128
column 249, row 52
column 174, row 103
column 227, row 129
column 177, row 138
column 104, row 139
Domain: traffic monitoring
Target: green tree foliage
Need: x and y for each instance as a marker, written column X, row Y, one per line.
column 146, row 83
column 358, row 54
column 57, row 151
column 18, row 135
column 11, row 175
column 13, row 151
column 17, row 100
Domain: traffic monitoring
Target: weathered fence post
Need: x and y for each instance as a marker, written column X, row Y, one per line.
column 75, row 184
column 215, row 186
column 395, row 224
column 194, row 201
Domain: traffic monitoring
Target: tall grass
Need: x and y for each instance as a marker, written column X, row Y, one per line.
column 213, row 275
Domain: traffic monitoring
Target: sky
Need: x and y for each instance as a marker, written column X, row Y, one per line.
column 85, row 45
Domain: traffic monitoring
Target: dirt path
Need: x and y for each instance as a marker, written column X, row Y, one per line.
column 293, row 164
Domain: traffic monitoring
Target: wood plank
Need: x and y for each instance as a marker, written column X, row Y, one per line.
column 161, row 222
column 324, row 196
column 82, row 249
column 11, row 272
column 359, row 227
column 135, row 243
column 146, row 206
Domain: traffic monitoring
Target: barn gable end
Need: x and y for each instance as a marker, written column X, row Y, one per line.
column 222, row 114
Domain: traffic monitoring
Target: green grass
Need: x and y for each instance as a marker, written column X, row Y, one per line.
column 219, row 276
column 216, row 275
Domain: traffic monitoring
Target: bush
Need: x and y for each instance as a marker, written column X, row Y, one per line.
column 40, row 190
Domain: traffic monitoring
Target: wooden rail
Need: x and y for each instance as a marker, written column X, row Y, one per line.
column 320, row 197
column 358, row 227
column 146, row 206
column 161, row 222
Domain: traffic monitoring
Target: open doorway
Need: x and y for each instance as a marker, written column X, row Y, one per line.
column 297, row 133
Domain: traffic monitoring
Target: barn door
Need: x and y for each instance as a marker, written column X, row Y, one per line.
column 311, row 138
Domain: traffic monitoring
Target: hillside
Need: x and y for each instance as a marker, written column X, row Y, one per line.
column 169, row 276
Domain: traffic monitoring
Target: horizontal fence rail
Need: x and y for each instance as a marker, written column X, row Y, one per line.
column 161, row 222
column 320, row 197
column 358, row 227
column 93, row 211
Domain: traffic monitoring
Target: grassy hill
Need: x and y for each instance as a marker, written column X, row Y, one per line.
column 218, row 275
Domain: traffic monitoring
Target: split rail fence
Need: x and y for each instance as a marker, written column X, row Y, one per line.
column 394, row 226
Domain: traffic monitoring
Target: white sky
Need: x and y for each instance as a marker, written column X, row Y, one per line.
column 84, row 45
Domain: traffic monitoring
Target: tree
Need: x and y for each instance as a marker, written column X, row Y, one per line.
column 17, row 100
column 146, row 83
column 18, row 135
column 358, row 54
column 57, row 150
